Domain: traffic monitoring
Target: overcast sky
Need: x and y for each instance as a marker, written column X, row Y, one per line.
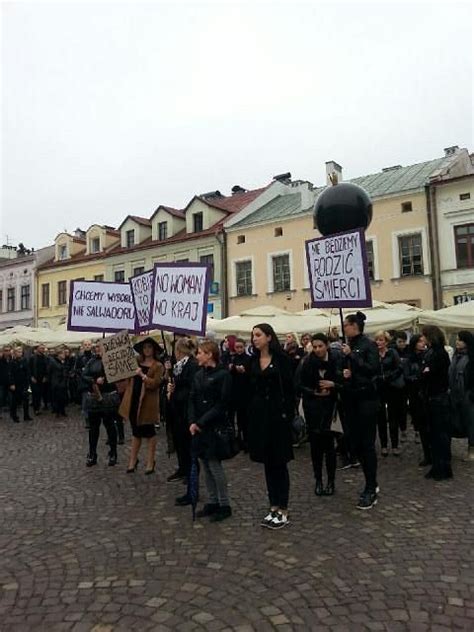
column 111, row 109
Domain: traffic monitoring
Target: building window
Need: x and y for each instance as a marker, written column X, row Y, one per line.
column 465, row 196
column 11, row 299
column 25, row 297
column 98, row 277
column 407, row 207
column 62, row 292
column 197, row 222
column 130, row 238
column 279, row 231
column 119, row 276
column 464, row 240
column 281, row 273
column 162, row 230
column 411, row 255
column 209, row 260
column 95, row 244
column 62, row 253
column 241, row 239
column 138, row 270
column 45, row 295
column 243, row 276
column 369, row 246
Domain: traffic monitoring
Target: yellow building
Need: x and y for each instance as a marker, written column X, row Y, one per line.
column 265, row 247
column 76, row 257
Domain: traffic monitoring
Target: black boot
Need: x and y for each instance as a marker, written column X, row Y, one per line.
column 330, row 489
column 221, row 514
column 208, row 510
column 318, row 490
column 112, row 458
column 91, row 460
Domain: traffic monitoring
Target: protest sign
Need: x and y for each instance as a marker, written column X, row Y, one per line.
column 100, row 306
column 118, row 357
column 179, row 297
column 141, row 291
column 338, row 271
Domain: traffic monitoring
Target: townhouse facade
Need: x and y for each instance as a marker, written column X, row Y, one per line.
column 266, row 258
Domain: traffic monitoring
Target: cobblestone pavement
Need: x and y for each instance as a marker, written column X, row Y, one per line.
column 98, row 550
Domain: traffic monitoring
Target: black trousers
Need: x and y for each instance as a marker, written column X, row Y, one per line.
column 95, row 420
column 38, row 394
column 119, row 427
column 322, row 445
column 440, row 438
column 58, row 400
column 182, row 445
column 420, row 423
column 19, row 396
column 278, row 484
column 239, row 410
column 401, row 406
column 389, row 412
column 362, row 411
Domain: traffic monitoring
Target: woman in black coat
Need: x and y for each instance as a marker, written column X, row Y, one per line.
column 413, row 368
column 58, row 373
column 272, row 407
column 391, row 385
column 317, row 378
column 209, row 402
column 436, row 398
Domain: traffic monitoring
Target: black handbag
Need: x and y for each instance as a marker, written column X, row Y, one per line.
column 108, row 403
column 226, row 444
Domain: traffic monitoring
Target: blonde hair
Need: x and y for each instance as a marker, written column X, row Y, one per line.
column 383, row 334
column 185, row 346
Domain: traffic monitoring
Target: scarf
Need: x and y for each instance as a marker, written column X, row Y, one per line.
column 179, row 366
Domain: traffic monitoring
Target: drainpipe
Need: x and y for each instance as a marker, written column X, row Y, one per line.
column 222, row 241
column 432, row 213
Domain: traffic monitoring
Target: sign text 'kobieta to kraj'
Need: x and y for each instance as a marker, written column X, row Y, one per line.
column 338, row 272
column 179, row 297
column 141, row 285
column 100, row 306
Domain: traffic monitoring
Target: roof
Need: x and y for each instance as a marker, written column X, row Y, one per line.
column 232, row 203
column 144, row 221
column 400, row 179
column 281, row 207
column 176, row 212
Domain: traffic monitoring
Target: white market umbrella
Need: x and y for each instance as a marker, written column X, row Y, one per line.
column 455, row 317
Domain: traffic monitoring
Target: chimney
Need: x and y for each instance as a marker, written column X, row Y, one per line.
column 236, row 189
column 285, row 178
column 394, row 168
column 333, row 170
column 450, row 151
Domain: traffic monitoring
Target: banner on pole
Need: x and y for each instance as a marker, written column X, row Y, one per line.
column 141, row 285
column 179, row 297
column 100, row 306
column 338, row 271
column 118, row 357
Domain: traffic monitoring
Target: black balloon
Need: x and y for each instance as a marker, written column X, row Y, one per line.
column 342, row 207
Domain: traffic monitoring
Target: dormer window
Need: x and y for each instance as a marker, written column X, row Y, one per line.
column 62, row 252
column 130, row 238
column 197, row 222
column 95, row 244
column 162, row 231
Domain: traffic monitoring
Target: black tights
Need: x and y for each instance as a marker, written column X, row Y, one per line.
column 323, row 444
column 95, row 419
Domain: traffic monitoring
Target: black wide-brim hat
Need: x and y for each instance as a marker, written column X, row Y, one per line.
column 138, row 347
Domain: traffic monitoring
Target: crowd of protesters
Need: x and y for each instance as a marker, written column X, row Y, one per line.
column 338, row 395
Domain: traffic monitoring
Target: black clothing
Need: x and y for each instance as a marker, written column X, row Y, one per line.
column 19, row 377
column 92, row 371
column 272, row 406
column 435, row 380
column 178, row 414
column 208, row 407
column 364, row 364
column 322, row 445
column 82, row 360
column 4, row 372
column 38, row 365
column 318, row 410
column 58, row 377
column 413, row 380
column 143, row 430
column 240, row 393
column 391, row 398
column 278, row 484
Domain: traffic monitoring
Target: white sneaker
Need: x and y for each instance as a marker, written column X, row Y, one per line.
column 279, row 521
column 268, row 519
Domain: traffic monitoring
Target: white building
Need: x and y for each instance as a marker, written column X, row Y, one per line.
column 17, row 288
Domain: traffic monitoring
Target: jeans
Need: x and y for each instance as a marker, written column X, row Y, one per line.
column 95, row 419
column 216, row 482
column 439, row 431
column 278, row 484
column 362, row 413
column 322, row 444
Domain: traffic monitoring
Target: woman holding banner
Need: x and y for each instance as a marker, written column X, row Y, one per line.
column 140, row 403
column 100, row 402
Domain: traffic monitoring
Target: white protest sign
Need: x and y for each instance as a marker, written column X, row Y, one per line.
column 179, row 297
column 338, row 271
column 100, row 306
column 141, row 285
column 118, row 357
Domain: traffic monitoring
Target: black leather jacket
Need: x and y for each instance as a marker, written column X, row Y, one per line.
column 363, row 361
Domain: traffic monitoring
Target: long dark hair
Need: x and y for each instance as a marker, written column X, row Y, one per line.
column 434, row 336
column 468, row 339
column 274, row 346
column 414, row 340
column 358, row 319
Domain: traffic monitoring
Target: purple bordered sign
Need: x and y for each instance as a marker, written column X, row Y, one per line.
column 338, row 271
column 102, row 306
column 141, row 285
column 179, row 297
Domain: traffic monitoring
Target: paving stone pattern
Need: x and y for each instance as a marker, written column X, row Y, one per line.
column 97, row 550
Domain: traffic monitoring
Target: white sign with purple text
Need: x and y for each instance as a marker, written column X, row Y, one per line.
column 338, row 271
column 100, row 306
column 179, row 297
column 141, row 285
